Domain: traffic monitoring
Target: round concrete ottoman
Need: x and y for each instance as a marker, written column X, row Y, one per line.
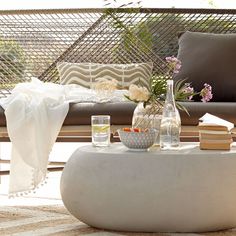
column 188, row 190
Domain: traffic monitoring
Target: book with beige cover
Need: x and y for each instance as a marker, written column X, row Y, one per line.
column 210, row 126
column 213, row 136
column 214, row 133
column 215, row 146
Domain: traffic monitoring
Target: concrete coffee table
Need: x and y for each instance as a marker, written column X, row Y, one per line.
column 188, row 190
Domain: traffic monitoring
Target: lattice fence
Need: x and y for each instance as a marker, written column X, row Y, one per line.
column 33, row 41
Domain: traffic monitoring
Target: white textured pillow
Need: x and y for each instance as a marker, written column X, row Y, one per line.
column 84, row 74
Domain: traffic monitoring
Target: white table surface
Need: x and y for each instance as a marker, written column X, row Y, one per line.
column 190, row 149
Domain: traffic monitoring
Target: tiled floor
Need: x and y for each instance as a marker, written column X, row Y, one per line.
column 45, row 195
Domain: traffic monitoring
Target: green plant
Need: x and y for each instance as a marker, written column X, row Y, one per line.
column 12, row 61
column 122, row 21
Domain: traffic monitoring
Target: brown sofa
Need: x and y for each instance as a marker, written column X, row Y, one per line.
column 206, row 58
column 76, row 126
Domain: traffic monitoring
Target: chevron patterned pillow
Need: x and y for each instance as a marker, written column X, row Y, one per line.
column 85, row 74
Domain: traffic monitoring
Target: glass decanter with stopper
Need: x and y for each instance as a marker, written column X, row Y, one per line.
column 170, row 123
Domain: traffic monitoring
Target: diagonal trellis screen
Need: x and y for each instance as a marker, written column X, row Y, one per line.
column 33, row 41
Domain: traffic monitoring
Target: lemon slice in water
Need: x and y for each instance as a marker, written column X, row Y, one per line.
column 100, row 128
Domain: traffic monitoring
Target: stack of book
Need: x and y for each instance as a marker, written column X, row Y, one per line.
column 215, row 135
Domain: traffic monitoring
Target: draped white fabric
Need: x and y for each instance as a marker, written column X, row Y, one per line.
column 35, row 112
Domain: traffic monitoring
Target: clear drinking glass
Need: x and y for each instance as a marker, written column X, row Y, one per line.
column 100, row 130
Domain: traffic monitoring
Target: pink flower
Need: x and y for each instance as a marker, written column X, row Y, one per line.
column 174, row 64
column 206, row 93
column 188, row 89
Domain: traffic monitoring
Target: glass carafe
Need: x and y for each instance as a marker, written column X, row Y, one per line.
column 170, row 123
column 148, row 117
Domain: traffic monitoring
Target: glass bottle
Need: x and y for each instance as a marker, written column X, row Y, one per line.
column 170, row 123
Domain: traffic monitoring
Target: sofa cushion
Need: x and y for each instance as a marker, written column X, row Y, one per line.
column 80, row 113
column 85, row 74
column 209, row 58
column 122, row 113
column 224, row 110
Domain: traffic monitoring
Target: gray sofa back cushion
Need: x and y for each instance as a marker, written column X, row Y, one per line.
column 209, row 58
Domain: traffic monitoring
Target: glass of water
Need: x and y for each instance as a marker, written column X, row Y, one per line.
column 100, row 130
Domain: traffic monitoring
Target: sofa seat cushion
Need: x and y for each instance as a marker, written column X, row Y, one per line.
column 80, row 113
column 122, row 113
column 224, row 110
column 209, row 58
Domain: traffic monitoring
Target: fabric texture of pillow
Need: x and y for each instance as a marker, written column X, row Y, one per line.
column 209, row 58
column 85, row 74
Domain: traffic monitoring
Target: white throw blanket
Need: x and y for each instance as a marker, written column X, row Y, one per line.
column 35, row 112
